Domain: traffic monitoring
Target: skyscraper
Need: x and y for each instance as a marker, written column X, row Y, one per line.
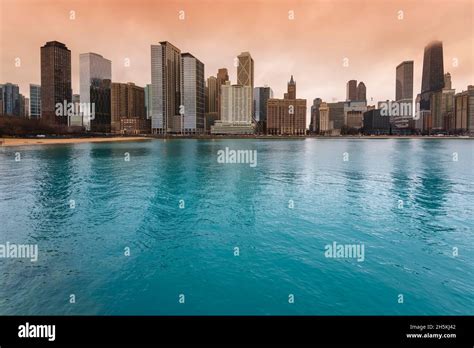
column 166, row 87
column 361, row 92
column 192, row 96
column 35, row 101
column 212, row 94
column 404, row 81
column 11, row 99
column 245, row 73
column 260, row 97
column 148, row 101
column 433, row 72
column 95, row 83
column 55, row 80
column 351, row 90
column 222, row 78
column 315, row 116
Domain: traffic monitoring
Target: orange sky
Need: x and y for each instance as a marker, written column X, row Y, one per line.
column 311, row 47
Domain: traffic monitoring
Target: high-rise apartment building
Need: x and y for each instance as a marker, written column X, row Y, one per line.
column 35, row 101
column 464, row 111
column 166, row 87
column 95, row 75
column 148, row 101
column 127, row 102
column 325, row 125
column 212, row 95
column 55, row 81
column 404, row 81
column 193, row 94
column 442, row 107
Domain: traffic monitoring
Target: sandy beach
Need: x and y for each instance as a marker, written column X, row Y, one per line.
column 45, row 141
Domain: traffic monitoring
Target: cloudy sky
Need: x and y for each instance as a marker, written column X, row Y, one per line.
column 308, row 39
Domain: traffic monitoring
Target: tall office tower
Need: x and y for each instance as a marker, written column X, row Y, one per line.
column 260, row 97
column 245, row 73
column 324, row 123
column 193, row 94
column 127, row 102
column 2, row 104
column 404, row 81
column 95, row 75
column 402, row 123
column 55, row 80
column 165, row 87
column 288, row 115
column 351, row 90
column 222, row 78
column 464, row 111
column 361, row 92
column 433, row 72
column 148, row 101
column 447, row 81
column 11, row 99
column 212, row 94
column 315, row 116
column 35, row 101
column 336, row 115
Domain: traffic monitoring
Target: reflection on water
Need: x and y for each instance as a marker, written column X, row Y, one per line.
column 237, row 239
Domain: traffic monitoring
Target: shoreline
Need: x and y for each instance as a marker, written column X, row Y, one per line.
column 11, row 142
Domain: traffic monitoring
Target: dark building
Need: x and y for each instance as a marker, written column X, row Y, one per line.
column 11, row 99
column 336, row 114
column 433, row 73
column 376, row 124
column 315, row 116
column 361, row 92
column 404, row 81
column 351, row 90
column 55, row 80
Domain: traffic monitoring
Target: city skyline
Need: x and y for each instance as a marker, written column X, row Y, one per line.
column 319, row 70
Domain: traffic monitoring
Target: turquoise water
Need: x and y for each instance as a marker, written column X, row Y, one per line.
column 136, row 204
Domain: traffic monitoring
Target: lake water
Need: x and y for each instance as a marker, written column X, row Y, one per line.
column 236, row 239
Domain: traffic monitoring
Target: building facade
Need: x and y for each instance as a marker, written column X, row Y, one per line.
column 464, row 112
column 35, row 101
column 95, row 76
column 433, row 73
column 193, row 95
column 165, row 87
column 287, row 116
column 315, row 116
column 55, row 81
column 11, row 99
column 127, row 102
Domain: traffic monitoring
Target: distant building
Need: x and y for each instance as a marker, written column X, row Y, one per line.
column 336, row 115
column 442, row 107
column 148, row 101
column 361, row 92
column 315, row 115
column 325, row 126
column 212, row 91
column 24, row 103
column 193, row 94
column 128, row 102
column 222, row 78
column 260, row 97
column 354, row 114
column 433, row 73
column 35, row 101
column 402, row 124
column 2, row 102
column 166, row 88
column 375, row 124
column 287, row 116
column 351, row 90
column 55, row 81
column 245, row 74
column 236, row 110
column 11, row 99
column 464, row 111
column 95, row 75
